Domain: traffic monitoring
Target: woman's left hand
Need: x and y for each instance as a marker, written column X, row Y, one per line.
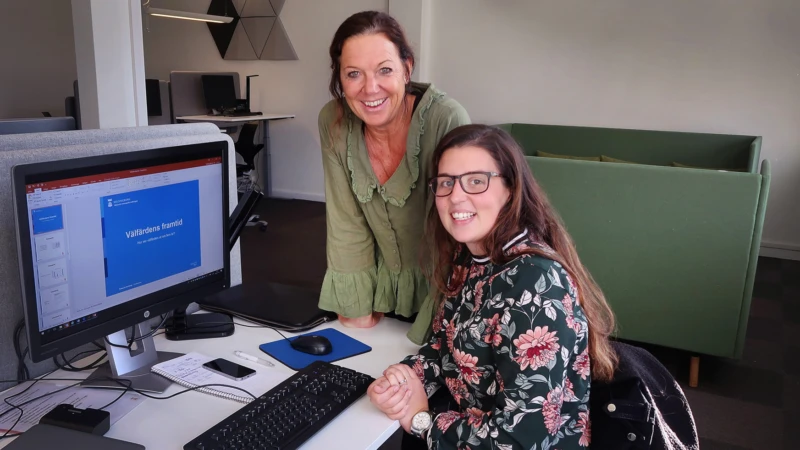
column 402, row 374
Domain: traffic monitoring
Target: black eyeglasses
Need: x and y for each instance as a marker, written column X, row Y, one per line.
column 471, row 183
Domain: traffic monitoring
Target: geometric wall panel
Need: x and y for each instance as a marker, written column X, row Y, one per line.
column 239, row 4
column 240, row 47
column 257, row 8
column 277, row 5
column 278, row 45
column 256, row 31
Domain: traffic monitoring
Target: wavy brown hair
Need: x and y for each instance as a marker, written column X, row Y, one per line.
column 529, row 207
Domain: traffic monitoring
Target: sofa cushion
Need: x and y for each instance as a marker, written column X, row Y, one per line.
column 605, row 158
column 686, row 166
column 555, row 155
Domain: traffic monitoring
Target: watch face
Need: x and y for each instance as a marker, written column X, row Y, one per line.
column 421, row 420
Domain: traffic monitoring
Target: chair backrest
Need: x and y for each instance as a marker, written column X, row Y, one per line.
column 643, row 407
column 245, row 144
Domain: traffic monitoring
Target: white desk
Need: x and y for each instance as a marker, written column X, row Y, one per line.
column 263, row 118
column 170, row 424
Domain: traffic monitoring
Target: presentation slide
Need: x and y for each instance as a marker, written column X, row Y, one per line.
column 55, row 299
column 150, row 234
column 50, row 246
column 47, row 219
column 52, row 273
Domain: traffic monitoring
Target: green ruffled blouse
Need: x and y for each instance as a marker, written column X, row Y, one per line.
column 375, row 231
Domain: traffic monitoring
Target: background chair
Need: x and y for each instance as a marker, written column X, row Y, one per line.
column 643, row 407
column 247, row 148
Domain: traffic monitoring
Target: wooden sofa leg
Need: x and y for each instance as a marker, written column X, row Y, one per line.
column 694, row 371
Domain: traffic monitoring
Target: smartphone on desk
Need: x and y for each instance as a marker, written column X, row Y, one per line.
column 229, row 369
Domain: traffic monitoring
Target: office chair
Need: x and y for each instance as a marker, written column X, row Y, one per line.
column 246, row 147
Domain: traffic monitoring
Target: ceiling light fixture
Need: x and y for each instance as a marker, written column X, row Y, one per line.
column 173, row 14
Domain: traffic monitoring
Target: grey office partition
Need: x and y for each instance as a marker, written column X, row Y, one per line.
column 186, row 89
column 36, row 125
column 37, row 147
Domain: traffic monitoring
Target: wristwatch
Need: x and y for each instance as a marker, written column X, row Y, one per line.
column 421, row 423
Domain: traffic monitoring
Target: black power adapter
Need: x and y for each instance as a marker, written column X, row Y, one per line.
column 93, row 421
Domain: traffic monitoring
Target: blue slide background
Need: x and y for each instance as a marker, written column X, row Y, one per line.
column 131, row 264
column 47, row 219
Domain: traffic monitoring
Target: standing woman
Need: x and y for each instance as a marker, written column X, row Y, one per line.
column 378, row 135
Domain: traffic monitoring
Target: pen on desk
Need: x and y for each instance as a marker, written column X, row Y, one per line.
column 255, row 359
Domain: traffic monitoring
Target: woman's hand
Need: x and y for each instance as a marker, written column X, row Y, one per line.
column 361, row 322
column 391, row 400
column 402, row 375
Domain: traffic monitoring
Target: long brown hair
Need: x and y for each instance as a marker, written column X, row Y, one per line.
column 529, row 207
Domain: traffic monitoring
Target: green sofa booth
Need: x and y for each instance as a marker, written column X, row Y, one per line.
column 668, row 223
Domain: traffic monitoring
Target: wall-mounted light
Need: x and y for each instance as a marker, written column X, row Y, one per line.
column 173, row 14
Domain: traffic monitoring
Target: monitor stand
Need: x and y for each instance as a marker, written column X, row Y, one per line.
column 133, row 366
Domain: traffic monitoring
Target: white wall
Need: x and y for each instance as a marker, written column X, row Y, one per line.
column 712, row 66
column 297, row 87
column 37, row 57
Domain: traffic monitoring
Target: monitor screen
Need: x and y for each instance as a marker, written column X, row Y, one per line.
column 219, row 91
column 110, row 241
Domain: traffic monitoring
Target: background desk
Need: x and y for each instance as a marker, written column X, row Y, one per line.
column 264, row 119
column 170, row 424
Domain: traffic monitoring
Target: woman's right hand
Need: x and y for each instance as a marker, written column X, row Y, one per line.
column 361, row 322
column 391, row 400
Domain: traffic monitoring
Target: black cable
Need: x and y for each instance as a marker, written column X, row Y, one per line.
column 133, row 333
column 22, row 368
column 21, row 412
column 67, row 366
column 70, row 368
column 125, row 391
column 122, row 382
column 130, row 343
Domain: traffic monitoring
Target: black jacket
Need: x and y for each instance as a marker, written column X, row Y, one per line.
column 643, row 407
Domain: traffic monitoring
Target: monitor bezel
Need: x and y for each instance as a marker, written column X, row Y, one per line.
column 158, row 302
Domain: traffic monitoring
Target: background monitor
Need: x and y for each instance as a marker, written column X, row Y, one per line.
column 110, row 242
column 219, row 92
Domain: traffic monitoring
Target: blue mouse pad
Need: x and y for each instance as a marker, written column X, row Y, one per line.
column 343, row 347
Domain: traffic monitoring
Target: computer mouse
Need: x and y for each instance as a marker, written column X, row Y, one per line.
column 313, row 345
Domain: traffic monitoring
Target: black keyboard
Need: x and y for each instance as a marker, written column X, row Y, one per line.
column 290, row 413
column 241, row 114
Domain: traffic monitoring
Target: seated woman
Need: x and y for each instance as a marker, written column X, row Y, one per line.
column 522, row 328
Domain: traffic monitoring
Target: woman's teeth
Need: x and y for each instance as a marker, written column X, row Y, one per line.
column 375, row 103
column 462, row 215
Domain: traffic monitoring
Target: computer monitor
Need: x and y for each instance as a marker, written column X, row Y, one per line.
column 219, row 92
column 113, row 241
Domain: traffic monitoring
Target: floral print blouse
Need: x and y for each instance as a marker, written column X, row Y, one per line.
column 512, row 349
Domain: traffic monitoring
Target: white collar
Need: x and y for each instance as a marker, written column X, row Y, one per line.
column 513, row 241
